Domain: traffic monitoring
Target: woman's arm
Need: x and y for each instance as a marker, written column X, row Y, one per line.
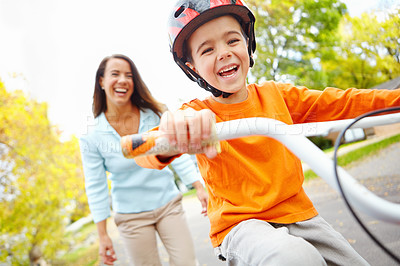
column 96, row 185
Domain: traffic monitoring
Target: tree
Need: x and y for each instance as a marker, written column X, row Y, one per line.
column 292, row 37
column 369, row 51
column 41, row 178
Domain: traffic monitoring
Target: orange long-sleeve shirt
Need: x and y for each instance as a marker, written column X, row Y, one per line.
column 258, row 177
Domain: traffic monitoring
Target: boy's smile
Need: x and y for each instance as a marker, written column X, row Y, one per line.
column 220, row 56
column 228, row 71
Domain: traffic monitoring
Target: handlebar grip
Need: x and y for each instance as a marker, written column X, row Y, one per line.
column 152, row 143
column 140, row 144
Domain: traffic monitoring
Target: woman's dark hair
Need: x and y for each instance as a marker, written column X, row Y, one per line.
column 141, row 96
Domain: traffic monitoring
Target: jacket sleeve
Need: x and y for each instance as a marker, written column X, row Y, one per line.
column 186, row 169
column 95, row 180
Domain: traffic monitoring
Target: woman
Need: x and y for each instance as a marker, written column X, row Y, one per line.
column 144, row 200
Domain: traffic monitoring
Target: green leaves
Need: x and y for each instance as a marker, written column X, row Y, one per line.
column 291, row 35
column 369, row 52
column 317, row 44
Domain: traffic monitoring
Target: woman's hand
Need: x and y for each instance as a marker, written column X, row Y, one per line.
column 106, row 250
column 202, row 196
column 189, row 130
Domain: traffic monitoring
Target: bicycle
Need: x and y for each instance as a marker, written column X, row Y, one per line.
column 294, row 137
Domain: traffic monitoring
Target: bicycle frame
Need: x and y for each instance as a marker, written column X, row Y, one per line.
column 294, row 137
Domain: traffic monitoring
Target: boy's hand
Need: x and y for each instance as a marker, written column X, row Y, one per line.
column 187, row 129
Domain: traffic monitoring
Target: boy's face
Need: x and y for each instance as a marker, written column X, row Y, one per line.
column 219, row 54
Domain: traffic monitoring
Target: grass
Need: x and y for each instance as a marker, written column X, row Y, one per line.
column 309, row 174
column 356, row 155
column 189, row 193
column 368, row 150
column 84, row 256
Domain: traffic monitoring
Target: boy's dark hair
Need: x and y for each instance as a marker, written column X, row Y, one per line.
column 141, row 96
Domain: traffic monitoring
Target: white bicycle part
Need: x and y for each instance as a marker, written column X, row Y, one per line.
column 293, row 137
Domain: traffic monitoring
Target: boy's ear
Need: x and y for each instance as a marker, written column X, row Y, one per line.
column 188, row 64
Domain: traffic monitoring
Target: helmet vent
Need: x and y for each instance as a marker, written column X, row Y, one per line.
column 180, row 10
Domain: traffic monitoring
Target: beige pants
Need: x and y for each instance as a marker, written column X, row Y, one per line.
column 138, row 231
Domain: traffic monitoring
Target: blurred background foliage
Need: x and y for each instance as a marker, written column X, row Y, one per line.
column 305, row 42
column 41, row 181
column 317, row 44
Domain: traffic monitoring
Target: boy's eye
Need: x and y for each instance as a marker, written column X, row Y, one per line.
column 206, row 51
column 233, row 41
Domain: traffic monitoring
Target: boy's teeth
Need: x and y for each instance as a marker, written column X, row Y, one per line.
column 227, row 69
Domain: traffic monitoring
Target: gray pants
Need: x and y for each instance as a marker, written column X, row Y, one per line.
column 311, row 242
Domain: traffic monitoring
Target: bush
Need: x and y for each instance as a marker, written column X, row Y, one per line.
column 321, row 142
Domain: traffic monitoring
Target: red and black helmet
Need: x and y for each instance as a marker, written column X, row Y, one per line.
column 188, row 15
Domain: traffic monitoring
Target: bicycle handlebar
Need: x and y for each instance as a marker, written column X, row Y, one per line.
column 294, row 138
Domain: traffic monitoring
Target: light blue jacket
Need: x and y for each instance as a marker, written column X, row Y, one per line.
column 133, row 188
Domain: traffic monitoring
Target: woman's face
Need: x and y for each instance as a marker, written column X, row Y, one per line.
column 117, row 82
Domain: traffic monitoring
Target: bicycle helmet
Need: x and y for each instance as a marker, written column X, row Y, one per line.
column 188, row 15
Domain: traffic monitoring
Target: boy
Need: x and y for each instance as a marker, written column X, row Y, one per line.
column 258, row 210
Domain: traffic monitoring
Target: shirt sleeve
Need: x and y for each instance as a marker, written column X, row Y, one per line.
column 95, row 180
column 332, row 104
column 186, row 169
column 151, row 162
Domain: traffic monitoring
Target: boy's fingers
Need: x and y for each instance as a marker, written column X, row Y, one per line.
column 210, row 151
column 195, row 129
column 208, row 126
column 188, row 129
column 181, row 129
column 167, row 127
column 207, row 122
